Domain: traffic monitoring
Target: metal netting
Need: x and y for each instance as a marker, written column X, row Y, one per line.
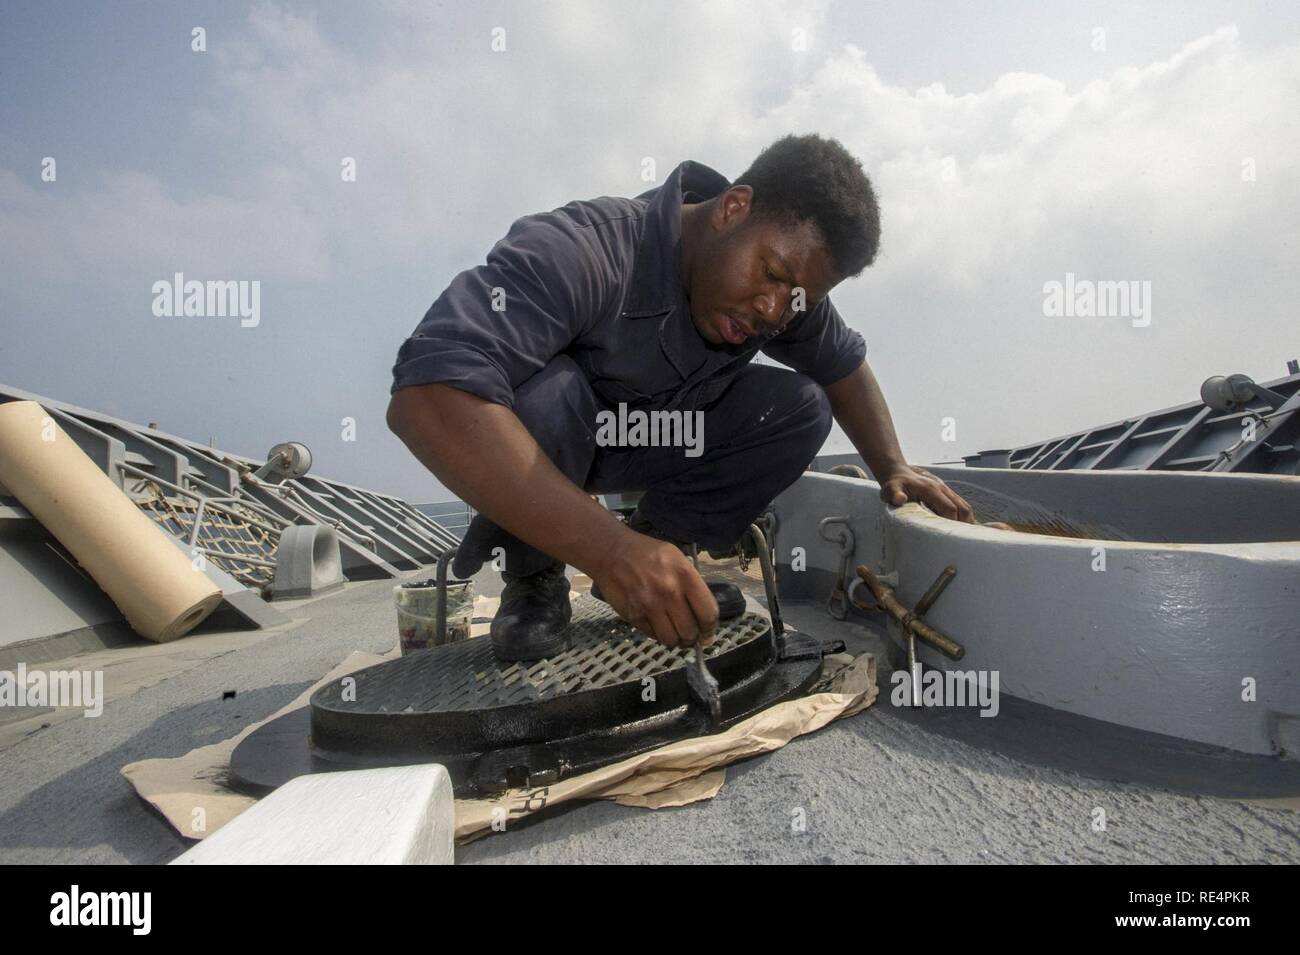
column 237, row 539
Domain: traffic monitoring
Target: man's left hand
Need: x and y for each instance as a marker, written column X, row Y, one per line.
column 909, row 483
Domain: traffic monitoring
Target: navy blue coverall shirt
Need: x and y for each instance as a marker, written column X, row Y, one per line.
column 582, row 309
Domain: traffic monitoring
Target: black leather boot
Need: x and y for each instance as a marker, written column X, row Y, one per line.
column 532, row 621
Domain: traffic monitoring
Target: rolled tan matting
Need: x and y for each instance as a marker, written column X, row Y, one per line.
column 150, row 579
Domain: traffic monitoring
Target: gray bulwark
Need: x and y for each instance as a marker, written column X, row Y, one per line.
column 1164, row 602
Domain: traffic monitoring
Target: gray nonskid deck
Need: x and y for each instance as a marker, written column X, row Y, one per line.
column 874, row 788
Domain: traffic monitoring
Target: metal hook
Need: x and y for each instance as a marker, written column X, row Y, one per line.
column 837, row 605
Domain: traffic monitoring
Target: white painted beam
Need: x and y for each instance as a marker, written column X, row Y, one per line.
column 393, row 816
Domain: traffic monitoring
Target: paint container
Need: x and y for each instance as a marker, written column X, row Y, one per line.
column 417, row 613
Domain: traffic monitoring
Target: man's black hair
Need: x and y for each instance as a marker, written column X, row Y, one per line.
column 809, row 178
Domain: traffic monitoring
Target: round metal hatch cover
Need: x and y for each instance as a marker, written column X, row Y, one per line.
column 612, row 694
column 603, row 652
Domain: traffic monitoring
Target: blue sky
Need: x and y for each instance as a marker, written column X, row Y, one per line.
column 1008, row 150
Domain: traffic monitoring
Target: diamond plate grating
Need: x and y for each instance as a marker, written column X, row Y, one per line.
column 604, row 651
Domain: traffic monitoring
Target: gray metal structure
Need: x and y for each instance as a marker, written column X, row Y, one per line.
column 1144, row 599
column 1236, row 426
column 454, row 516
column 234, row 510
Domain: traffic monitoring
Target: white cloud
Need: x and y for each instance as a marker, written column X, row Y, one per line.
column 129, row 222
column 1136, row 175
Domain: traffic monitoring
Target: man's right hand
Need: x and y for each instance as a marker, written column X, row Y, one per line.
column 653, row 586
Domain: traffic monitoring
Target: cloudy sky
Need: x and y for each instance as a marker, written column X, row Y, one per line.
column 1010, row 143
